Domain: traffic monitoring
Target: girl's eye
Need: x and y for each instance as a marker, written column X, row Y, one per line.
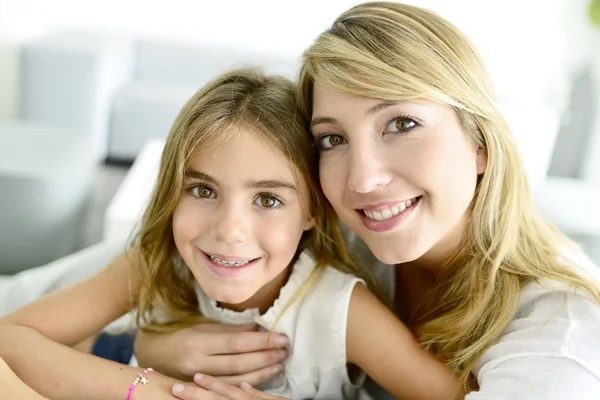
column 330, row 141
column 400, row 125
column 267, row 201
column 202, row 192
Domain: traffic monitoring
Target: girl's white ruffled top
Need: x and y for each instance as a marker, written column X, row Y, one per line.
column 316, row 326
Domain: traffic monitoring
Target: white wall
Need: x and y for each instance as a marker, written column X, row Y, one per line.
column 532, row 31
column 526, row 43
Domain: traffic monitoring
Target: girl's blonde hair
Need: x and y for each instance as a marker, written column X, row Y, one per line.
column 243, row 101
column 397, row 52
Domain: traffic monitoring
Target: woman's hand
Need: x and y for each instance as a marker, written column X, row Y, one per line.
column 235, row 354
column 211, row 388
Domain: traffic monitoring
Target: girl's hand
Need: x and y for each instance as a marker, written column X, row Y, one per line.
column 235, row 354
column 211, row 388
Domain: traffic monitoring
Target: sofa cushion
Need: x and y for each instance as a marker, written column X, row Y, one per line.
column 200, row 63
column 142, row 111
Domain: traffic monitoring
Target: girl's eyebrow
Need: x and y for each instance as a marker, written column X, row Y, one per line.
column 270, row 184
column 266, row 184
column 192, row 173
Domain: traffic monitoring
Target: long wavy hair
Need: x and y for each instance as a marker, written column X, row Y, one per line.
column 267, row 106
column 397, row 52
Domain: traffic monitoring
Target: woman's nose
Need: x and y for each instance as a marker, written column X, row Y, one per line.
column 367, row 169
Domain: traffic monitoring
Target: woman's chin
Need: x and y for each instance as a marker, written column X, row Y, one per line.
column 395, row 254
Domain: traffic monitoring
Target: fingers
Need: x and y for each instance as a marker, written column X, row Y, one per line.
column 189, row 392
column 238, row 364
column 255, row 377
column 245, row 342
column 221, row 328
column 257, row 393
column 221, row 389
column 211, row 388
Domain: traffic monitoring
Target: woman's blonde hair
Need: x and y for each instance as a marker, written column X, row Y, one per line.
column 397, row 52
column 243, row 101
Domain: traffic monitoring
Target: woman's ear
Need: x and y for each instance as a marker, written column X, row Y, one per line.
column 481, row 161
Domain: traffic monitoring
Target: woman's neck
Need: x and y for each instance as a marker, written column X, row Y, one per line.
column 435, row 261
column 416, row 280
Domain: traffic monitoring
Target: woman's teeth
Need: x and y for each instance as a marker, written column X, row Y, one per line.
column 387, row 213
column 229, row 263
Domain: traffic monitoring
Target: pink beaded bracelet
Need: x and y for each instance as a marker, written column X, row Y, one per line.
column 140, row 378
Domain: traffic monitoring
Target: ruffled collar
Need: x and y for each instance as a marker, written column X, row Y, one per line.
column 300, row 273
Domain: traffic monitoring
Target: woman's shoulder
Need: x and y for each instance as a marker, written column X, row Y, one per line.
column 552, row 344
column 554, row 322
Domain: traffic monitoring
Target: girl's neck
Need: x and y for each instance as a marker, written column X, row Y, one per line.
column 265, row 297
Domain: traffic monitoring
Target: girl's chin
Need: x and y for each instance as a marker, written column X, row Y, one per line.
column 227, row 296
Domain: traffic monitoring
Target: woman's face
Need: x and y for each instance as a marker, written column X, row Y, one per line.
column 401, row 175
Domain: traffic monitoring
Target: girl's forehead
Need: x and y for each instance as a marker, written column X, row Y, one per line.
column 245, row 154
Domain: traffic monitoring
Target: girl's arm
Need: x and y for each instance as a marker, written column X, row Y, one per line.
column 382, row 346
column 13, row 387
column 35, row 340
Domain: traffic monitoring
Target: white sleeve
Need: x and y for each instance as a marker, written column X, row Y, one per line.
column 537, row 378
column 550, row 350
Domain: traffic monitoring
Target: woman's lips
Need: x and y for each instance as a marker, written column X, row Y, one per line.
column 388, row 218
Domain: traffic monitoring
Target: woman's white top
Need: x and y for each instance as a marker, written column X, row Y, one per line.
column 316, row 325
column 550, row 350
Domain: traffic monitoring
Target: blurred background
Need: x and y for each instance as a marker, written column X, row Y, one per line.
column 89, row 88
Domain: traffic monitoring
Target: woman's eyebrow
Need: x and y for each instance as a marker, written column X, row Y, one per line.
column 372, row 110
column 381, row 106
column 322, row 120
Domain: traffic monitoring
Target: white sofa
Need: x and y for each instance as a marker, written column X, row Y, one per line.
column 45, row 177
column 124, row 91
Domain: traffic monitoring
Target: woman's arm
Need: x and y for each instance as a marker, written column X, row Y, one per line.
column 35, row 340
column 235, row 354
column 381, row 345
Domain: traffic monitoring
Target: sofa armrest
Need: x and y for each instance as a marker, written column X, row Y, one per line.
column 69, row 80
column 22, row 288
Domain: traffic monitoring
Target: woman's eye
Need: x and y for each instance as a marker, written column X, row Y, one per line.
column 202, row 192
column 330, row 141
column 267, row 201
column 399, row 125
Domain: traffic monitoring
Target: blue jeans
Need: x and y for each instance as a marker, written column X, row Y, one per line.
column 114, row 347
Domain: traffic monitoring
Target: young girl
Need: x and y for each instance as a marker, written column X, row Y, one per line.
column 238, row 232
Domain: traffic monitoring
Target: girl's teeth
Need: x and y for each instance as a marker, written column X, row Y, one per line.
column 229, row 263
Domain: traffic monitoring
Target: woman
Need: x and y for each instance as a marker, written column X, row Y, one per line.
column 418, row 162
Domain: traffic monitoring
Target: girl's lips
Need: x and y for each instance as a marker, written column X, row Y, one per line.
column 227, row 272
column 391, row 223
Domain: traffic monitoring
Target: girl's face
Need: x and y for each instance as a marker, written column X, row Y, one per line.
column 240, row 219
column 401, row 175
